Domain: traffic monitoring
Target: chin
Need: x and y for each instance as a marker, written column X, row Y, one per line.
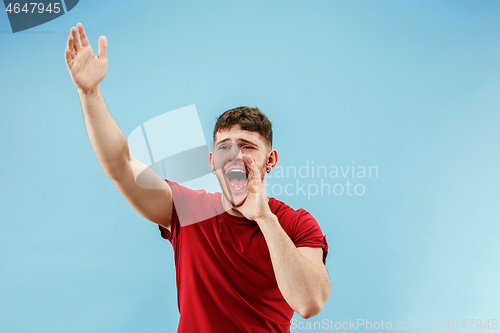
column 235, row 198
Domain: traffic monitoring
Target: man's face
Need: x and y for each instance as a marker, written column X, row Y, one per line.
column 227, row 161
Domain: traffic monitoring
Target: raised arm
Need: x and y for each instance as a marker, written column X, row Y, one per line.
column 110, row 146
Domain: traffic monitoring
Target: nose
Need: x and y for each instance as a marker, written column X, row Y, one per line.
column 236, row 153
column 240, row 154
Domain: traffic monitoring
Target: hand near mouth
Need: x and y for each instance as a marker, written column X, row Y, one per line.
column 256, row 206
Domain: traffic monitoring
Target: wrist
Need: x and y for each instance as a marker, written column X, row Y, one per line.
column 93, row 91
column 268, row 219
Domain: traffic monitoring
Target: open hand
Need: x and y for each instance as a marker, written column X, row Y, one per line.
column 86, row 69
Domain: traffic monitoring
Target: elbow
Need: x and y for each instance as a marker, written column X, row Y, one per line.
column 309, row 312
column 312, row 309
column 314, row 306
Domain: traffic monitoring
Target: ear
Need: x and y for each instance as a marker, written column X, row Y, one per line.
column 211, row 160
column 272, row 160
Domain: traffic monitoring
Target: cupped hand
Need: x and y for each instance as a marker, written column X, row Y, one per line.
column 256, row 205
column 86, row 69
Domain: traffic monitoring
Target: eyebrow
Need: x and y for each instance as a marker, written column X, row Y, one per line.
column 242, row 140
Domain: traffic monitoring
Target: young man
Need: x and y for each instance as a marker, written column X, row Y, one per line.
column 250, row 265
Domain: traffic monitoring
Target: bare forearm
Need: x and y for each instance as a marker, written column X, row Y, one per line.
column 303, row 285
column 106, row 138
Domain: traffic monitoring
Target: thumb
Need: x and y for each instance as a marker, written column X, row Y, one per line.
column 103, row 46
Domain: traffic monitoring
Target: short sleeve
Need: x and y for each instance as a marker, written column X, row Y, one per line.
column 180, row 197
column 306, row 232
column 189, row 207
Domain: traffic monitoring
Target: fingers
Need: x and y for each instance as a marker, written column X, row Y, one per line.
column 103, row 46
column 253, row 170
column 76, row 44
column 69, row 44
column 69, row 53
column 67, row 56
column 70, row 47
column 81, row 34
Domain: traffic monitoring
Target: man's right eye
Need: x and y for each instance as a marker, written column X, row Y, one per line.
column 224, row 147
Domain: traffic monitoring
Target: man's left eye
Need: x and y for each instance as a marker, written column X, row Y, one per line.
column 248, row 147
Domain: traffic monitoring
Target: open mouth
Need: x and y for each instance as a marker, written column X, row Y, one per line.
column 237, row 179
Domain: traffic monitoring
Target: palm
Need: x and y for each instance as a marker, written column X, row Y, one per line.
column 256, row 206
column 86, row 69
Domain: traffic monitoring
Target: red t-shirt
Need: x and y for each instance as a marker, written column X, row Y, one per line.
column 225, row 278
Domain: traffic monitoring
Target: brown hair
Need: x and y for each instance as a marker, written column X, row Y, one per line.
column 249, row 119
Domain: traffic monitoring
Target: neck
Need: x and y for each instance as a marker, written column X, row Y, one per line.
column 228, row 207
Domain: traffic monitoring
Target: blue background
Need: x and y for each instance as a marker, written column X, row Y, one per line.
column 411, row 87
